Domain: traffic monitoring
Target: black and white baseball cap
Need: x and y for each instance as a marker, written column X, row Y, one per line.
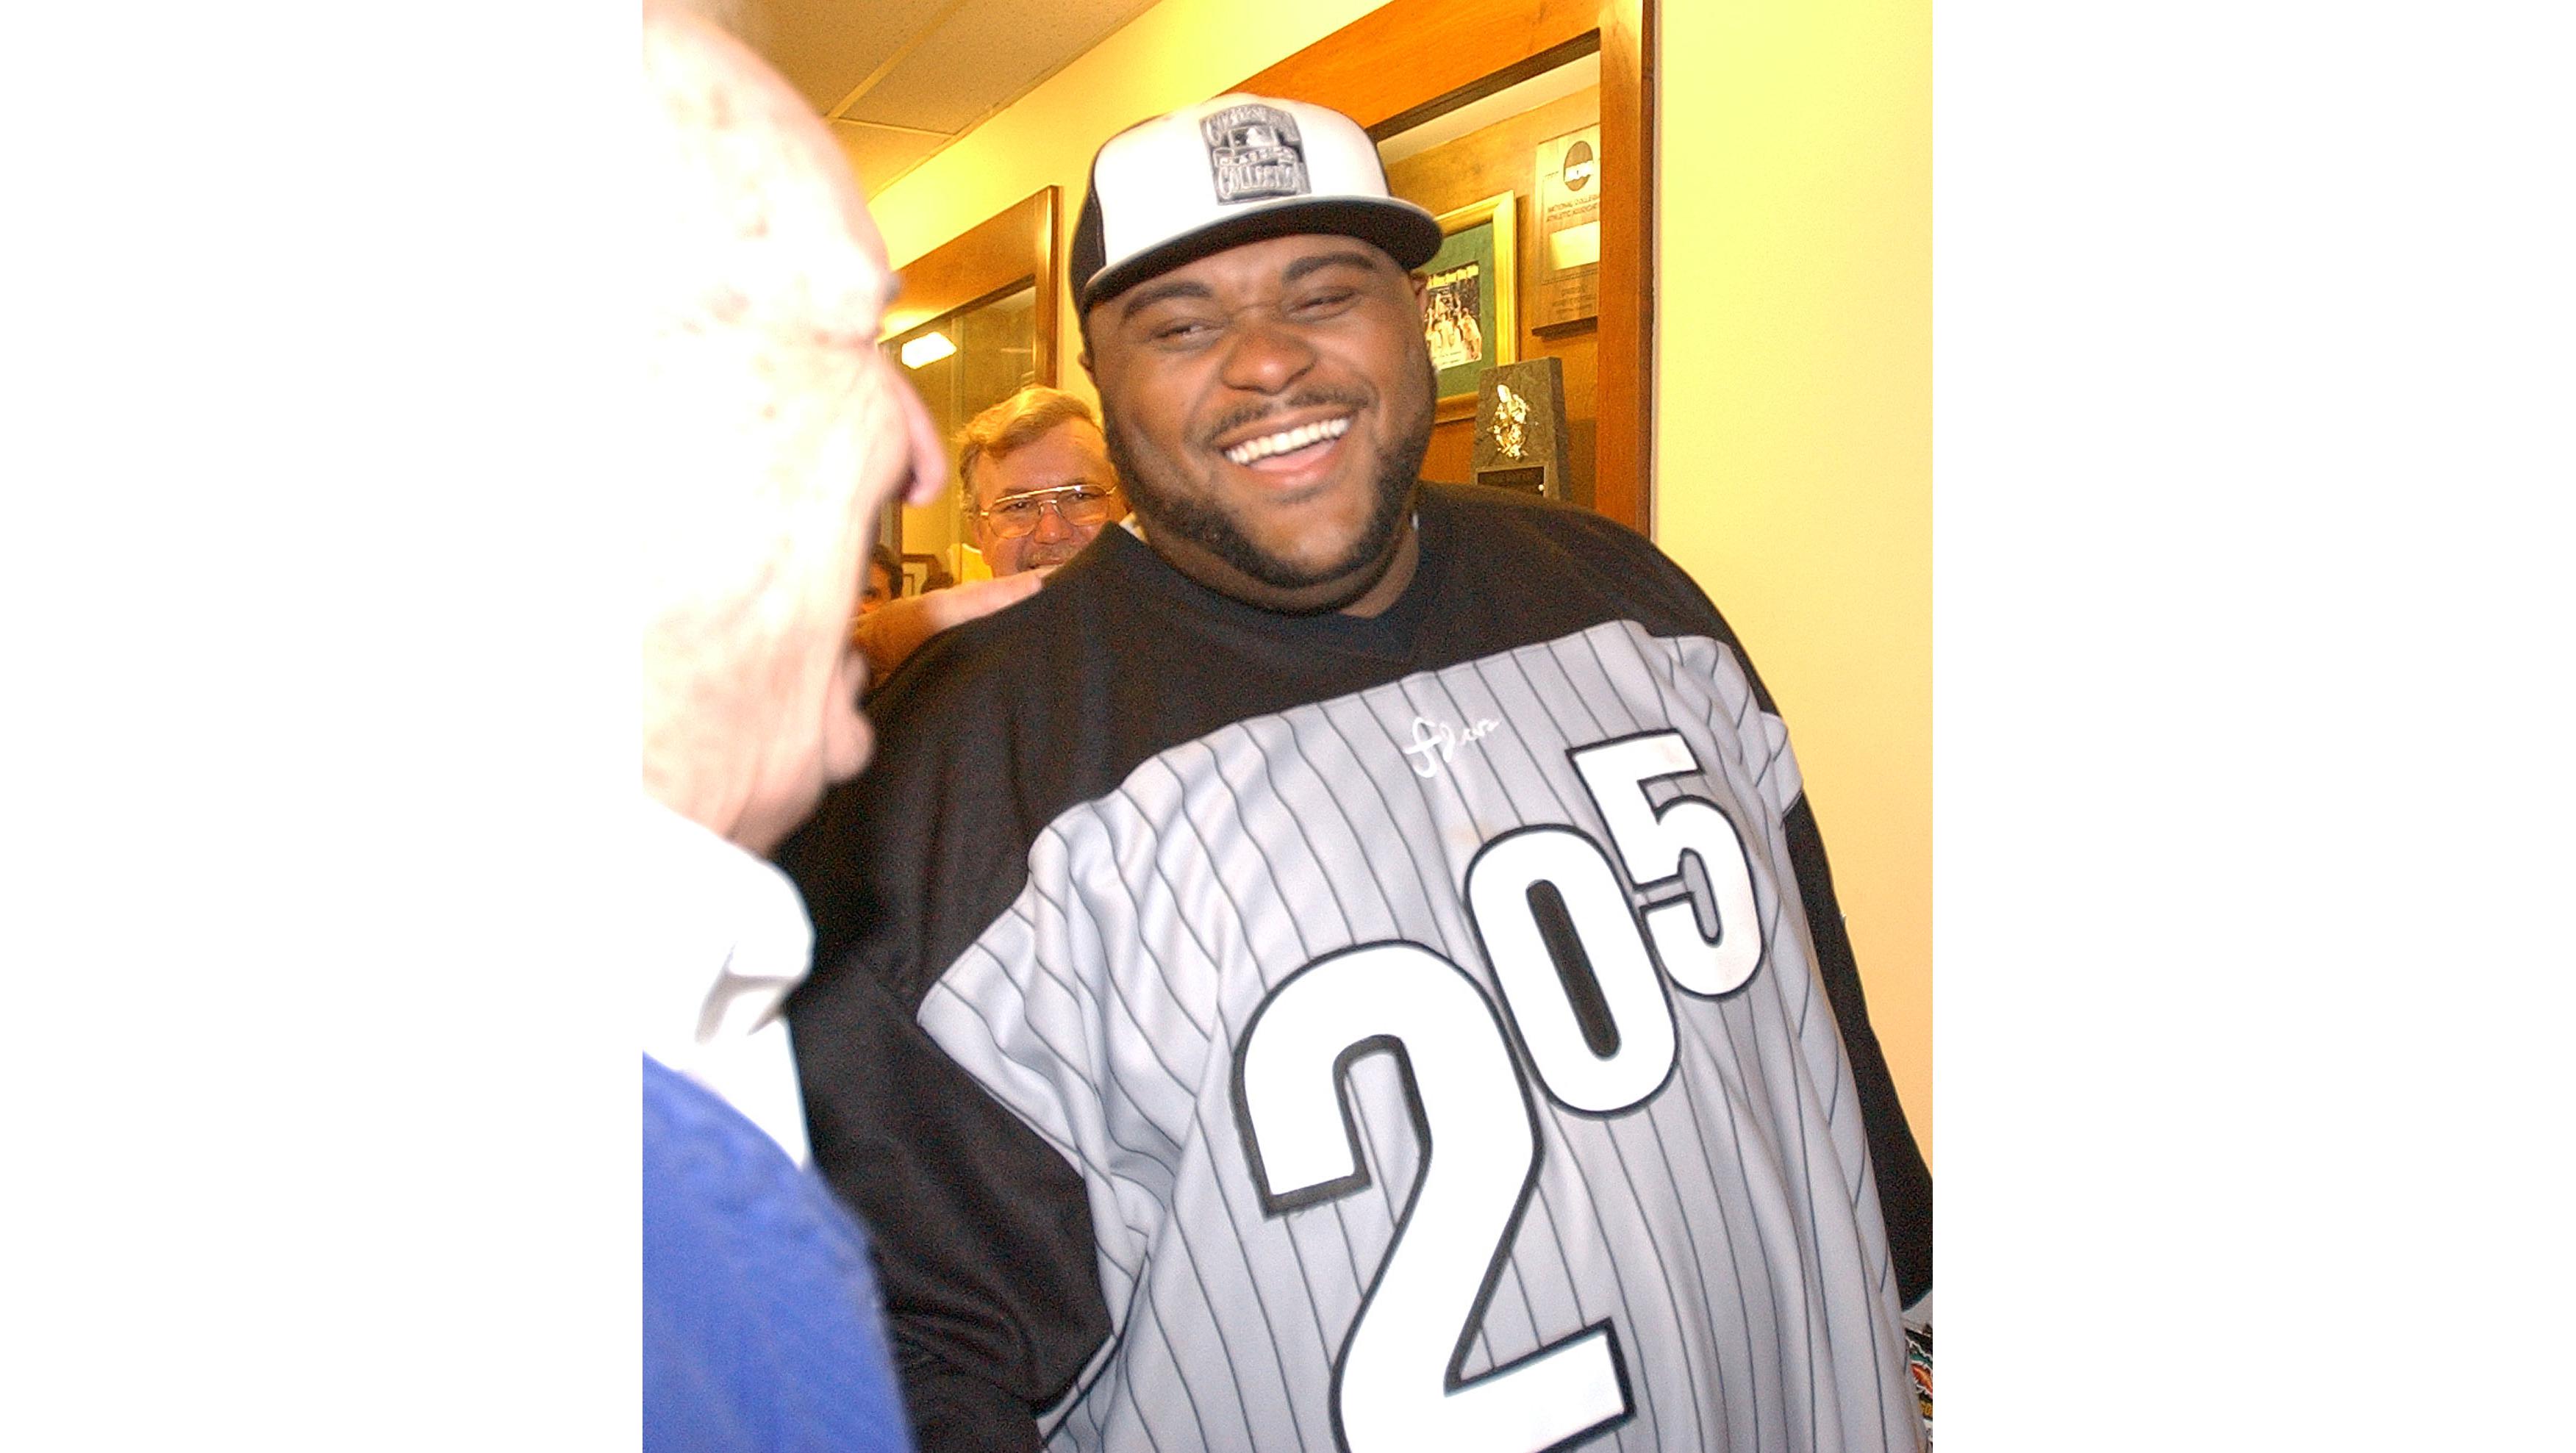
column 1226, row 172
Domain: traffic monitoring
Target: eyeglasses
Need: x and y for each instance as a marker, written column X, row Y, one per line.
column 1079, row 505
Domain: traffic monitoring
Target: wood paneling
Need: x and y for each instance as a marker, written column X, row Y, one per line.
column 1403, row 55
column 1011, row 249
column 1503, row 157
column 1014, row 246
column 1623, row 459
column 1411, row 59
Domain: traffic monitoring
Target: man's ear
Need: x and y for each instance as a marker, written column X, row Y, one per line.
column 1421, row 288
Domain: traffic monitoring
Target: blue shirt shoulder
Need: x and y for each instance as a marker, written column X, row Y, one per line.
column 763, row 1326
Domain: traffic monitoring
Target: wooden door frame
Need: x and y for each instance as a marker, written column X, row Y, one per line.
column 1011, row 249
column 1409, row 60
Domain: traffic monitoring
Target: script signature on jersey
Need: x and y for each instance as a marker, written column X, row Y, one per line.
column 1436, row 742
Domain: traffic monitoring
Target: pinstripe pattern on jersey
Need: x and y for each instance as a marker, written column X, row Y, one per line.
column 1727, row 1227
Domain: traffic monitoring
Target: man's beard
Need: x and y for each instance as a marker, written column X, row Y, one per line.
column 1205, row 523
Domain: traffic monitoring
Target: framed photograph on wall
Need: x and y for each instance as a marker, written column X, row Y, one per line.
column 1468, row 313
column 1566, row 287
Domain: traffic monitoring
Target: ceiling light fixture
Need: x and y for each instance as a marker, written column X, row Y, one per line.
column 928, row 348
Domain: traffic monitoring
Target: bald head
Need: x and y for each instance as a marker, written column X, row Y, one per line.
column 772, row 432
column 752, row 215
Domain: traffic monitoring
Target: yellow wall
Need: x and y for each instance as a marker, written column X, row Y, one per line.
column 1176, row 53
column 1793, row 437
column 1794, row 392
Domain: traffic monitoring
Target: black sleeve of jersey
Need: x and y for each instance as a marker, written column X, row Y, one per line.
column 952, row 1412
column 982, row 1231
column 1904, row 1181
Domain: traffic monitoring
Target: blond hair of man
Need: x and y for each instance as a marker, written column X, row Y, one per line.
column 1035, row 472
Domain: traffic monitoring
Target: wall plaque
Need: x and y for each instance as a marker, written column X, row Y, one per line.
column 1566, row 282
column 1520, row 427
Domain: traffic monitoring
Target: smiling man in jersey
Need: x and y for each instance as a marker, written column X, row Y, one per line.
column 1320, row 820
column 1275, row 405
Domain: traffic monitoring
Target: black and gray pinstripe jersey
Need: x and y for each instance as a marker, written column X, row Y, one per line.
column 1424, row 1032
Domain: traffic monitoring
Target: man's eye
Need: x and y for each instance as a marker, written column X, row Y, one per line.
column 1181, row 331
column 1326, row 300
column 1087, row 494
column 1016, row 509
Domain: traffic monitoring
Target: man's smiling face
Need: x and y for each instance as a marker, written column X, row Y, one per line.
column 1268, row 410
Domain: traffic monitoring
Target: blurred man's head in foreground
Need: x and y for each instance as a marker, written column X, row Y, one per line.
column 773, row 432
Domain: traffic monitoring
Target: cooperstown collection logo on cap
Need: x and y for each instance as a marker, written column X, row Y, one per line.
column 1254, row 153
column 1273, row 168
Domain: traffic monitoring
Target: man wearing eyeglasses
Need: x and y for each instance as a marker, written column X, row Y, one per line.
column 1037, row 479
column 1038, row 486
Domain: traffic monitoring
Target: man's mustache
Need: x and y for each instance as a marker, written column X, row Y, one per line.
column 1250, row 414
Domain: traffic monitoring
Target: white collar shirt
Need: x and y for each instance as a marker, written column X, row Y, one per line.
column 725, row 937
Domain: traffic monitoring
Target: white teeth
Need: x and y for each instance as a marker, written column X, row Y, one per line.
column 1287, row 439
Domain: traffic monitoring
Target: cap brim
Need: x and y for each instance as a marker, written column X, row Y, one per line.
column 1400, row 229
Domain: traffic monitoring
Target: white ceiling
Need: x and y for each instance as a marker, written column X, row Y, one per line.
column 898, row 79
